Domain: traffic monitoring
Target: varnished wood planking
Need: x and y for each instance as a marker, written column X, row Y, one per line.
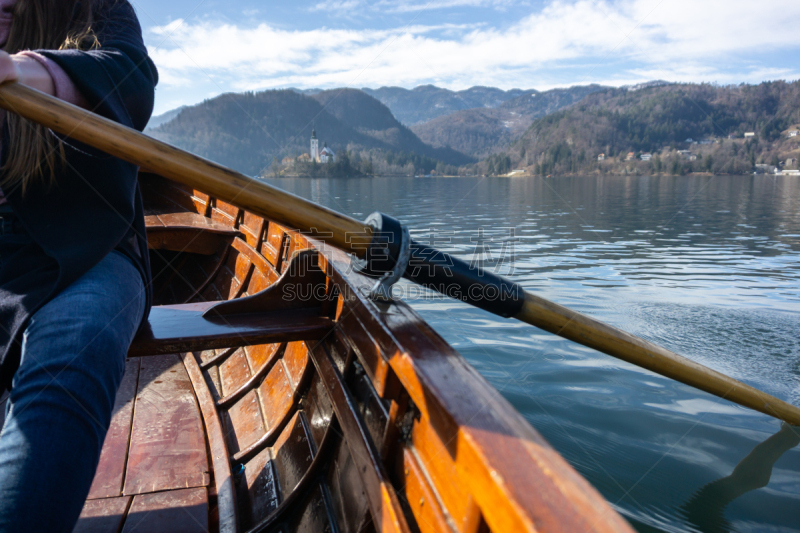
column 383, row 502
column 103, row 516
column 370, row 405
column 201, row 202
column 261, row 354
column 314, row 516
column 243, row 419
column 440, row 468
column 258, row 282
column 225, row 513
column 261, row 264
column 421, row 497
column 273, row 245
column 292, row 453
column 295, row 361
column 167, row 449
column 226, row 214
column 242, row 271
column 349, row 497
column 234, row 372
column 245, row 422
column 318, row 409
column 174, row 511
column 187, row 232
column 270, row 254
column 111, row 468
column 276, row 396
column 257, row 489
column 253, row 228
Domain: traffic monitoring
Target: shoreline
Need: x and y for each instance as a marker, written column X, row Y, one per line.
column 520, row 175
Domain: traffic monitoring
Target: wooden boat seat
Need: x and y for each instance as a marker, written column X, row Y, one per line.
column 187, row 232
column 267, row 317
column 183, row 328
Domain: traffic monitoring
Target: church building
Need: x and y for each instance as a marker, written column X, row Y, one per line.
column 326, row 155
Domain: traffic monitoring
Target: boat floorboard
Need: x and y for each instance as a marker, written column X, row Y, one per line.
column 167, row 446
column 153, row 473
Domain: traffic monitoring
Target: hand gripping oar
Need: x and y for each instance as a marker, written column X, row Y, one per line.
column 396, row 252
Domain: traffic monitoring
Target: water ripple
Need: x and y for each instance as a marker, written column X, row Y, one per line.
column 707, row 267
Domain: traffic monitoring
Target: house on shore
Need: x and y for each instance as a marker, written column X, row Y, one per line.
column 646, row 157
column 630, row 157
column 601, row 157
column 762, row 168
column 748, row 134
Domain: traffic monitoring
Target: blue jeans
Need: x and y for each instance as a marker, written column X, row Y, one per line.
column 59, row 410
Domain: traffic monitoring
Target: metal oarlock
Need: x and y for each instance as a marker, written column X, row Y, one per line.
column 388, row 254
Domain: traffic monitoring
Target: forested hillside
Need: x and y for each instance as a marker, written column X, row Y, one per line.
column 370, row 117
column 157, row 120
column 249, row 131
column 426, row 102
column 660, row 121
column 481, row 132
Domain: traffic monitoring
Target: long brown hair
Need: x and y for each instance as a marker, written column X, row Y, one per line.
column 35, row 153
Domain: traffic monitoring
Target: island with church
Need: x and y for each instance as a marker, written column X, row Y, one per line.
column 316, row 162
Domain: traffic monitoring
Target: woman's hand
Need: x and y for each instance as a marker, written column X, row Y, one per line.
column 9, row 69
column 26, row 71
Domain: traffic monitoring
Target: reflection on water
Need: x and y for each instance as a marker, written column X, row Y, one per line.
column 706, row 508
column 705, row 266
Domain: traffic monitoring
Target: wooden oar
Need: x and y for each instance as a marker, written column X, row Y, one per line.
column 352, row 235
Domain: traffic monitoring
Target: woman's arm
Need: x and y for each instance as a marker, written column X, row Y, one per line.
column 27, row 71
column 117, row 78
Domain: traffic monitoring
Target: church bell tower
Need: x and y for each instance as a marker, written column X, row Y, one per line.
column 314, row 146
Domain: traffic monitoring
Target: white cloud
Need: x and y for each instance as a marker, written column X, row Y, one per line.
column 409, row 7
column 394, row 6
column 336, row 6
column 565, row 43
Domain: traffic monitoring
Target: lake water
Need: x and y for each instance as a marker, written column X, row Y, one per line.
column 708, row 267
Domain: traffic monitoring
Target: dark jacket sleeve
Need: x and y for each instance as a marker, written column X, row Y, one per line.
column 117, row 79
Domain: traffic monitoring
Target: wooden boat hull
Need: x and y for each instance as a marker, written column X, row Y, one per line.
column 351, row 416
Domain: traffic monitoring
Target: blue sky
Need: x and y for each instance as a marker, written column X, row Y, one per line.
column 207, row 47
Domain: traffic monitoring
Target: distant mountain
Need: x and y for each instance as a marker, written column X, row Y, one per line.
column 646, row 85
column 426, row 102
column 307, row 92
column 248, row 131
column 370, row 117
column 158, row 120
column 685, row 127
column 481, row 132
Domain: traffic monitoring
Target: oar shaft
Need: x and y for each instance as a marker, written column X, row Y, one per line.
column 351, row 235
column 585, row 330
column 181, row 166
